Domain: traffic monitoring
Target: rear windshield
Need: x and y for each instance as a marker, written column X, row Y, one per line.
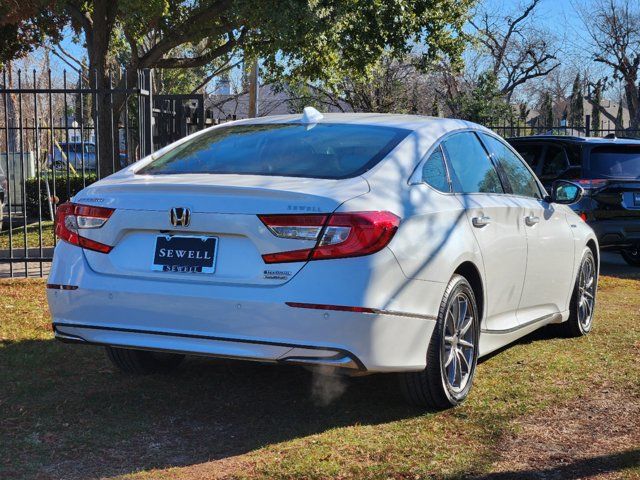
column 330, row 151
column 615, row 162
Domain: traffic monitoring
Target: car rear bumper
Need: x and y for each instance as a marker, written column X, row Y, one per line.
column 252, row 323
column 617, row 233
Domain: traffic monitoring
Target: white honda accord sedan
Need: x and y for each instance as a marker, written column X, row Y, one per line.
column 366, row 242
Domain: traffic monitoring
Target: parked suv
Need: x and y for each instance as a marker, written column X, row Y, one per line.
column 73, row 152
column 609, row 171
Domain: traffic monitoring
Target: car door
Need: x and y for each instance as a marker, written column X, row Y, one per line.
column 495, row 223
column 550, row 249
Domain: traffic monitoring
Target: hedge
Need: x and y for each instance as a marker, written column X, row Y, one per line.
column 75, row 184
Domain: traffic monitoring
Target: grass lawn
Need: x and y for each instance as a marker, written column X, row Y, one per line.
column 33, row 235
column 546, row 408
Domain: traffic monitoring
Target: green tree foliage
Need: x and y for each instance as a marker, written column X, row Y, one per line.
column 325, row 39
column 322, row 40
column 24, row 26
column 576, row 104
column 485, row 103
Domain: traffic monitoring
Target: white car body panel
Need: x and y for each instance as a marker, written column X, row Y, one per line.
column 241, row 311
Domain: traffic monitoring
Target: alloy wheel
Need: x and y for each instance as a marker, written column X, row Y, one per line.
column 586, row 293
column 459, row 343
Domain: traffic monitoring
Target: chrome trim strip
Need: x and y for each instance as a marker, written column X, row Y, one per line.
column 549, row 318
column 65, row 336
column 365, row 310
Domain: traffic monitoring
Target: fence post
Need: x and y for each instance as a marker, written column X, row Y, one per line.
column 147, row 114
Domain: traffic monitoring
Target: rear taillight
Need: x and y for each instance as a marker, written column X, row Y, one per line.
column 72, row 218
column 591, row 184
column 339, row 235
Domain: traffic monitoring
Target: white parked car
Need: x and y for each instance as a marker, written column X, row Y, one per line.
column 373, row 243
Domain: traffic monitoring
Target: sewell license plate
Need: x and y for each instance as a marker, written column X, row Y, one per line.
column 189, row 254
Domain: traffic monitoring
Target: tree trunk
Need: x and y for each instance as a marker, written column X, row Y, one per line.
column 633, row 104
column 98, row 37
column 12, row 137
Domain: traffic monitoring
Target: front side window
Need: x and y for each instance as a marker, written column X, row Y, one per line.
column 434, row 172
column 471, row 167
column 324, row 150
column 520, row 179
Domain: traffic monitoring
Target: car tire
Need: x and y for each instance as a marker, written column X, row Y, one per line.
column 583, row 298
column 433, row 387
column 142, row 362
column 632, row 256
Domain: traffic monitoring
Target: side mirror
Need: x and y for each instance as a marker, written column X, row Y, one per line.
column 565, row 192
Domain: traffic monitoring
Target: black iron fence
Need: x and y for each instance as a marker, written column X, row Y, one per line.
column 519, row 128
column 59, row 134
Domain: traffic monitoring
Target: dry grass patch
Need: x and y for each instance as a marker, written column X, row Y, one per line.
column 547, row 407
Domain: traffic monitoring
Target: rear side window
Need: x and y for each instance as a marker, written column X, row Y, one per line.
column 434, row 172
column 471, row 168
column 530, row 153
column 520, row 179
column 615, row 162
column 331, row 151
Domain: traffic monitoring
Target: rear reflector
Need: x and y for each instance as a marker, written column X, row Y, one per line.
column 341, row 308
column 339, row 235
column 56, row 286
column 72, row 218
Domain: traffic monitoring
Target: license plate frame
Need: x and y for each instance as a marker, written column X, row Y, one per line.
column 183, row 254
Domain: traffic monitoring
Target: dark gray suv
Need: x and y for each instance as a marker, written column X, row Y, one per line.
column 609, row 171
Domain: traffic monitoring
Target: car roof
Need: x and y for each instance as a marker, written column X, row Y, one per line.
column 576, row 140
column 408, row 122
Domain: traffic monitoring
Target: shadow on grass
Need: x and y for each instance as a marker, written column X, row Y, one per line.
column 68, row 414
column 583, row 468
column 613, row 265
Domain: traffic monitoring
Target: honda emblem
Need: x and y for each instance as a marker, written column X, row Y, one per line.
column 180, row 217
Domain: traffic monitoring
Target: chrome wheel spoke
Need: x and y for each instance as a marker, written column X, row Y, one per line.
column 449, row 340
column 452, row 369
column 455, row 314
column 465, row 343
column 450, row 322
column 450, row 357
column 464, row 360
column 458, row 370
column 466, row 326
column 462, row 311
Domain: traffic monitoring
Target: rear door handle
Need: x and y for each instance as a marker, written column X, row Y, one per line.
column 531, row 220
column 480, row 222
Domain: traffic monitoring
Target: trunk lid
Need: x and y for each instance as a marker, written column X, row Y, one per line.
column 221, row 206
